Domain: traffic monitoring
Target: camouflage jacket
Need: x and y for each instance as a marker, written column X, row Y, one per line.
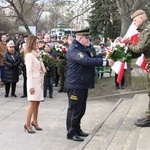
column 143, row 44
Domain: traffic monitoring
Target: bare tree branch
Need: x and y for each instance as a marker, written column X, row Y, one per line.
column 80, row 14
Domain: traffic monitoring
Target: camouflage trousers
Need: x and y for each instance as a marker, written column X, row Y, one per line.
column 62, row 75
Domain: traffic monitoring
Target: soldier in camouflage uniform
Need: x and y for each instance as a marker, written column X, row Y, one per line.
column 62, row 67
column 142, row 46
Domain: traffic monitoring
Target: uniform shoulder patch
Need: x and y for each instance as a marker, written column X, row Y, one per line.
column 80, row 55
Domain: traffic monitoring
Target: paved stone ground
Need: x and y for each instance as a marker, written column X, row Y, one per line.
column 109, row 120
column 118, row 131
column 52, row 118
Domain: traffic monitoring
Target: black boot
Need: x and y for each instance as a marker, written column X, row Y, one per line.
column 13, row 95
column 61, row 89
column 143, row 122
column 6, row 95
column 65, row 90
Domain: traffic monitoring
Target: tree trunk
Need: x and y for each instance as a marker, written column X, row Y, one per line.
column 25, row 25
column 125, row 23
column 128, row 75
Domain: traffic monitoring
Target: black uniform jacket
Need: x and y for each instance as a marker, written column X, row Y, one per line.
column 81, row 64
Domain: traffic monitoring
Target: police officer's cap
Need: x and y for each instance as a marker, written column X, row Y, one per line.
column 137, row 13
column 84, row 32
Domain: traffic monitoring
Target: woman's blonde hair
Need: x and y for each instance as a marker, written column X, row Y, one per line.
column 30, row 43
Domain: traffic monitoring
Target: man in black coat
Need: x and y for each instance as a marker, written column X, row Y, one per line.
column 81, row 64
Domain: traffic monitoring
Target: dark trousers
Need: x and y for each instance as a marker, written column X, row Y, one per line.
column 122, row 81
column 24, row 80
column 76, row 109
column 1, row 73
column 62, row 75
column 56, row 76
column 7, row 88
column 48, row 84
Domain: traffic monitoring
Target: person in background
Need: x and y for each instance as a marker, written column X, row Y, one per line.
column 23, row 68
column 81, row 63
column 22, row 65
column 11, row 69
column 16, row 38
column 50, row 72
column 52, row 38
column 18, row 43
column 56, row 79
column 142, row 46
column 70, row 39
column 23, row 41
column 122, row 82
column 47, row 38
column 3, row 49
column 40, row 35
column 101, row 51
column 8, row 37
column 62, row 67
column 41, row 44
column 35, row 78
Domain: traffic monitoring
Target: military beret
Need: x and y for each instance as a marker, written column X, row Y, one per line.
column 137, row 13
column 83, row 32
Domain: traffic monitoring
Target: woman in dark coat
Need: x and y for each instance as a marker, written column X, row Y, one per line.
column 11, row 69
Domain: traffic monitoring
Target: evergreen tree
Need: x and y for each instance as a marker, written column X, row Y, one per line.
column 104, row 19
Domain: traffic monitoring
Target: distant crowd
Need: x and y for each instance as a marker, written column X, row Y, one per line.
column 52, row 53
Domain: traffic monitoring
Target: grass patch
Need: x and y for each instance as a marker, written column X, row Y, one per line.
column 106, row 86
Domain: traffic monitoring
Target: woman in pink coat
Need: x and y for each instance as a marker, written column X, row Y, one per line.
column 35, row 77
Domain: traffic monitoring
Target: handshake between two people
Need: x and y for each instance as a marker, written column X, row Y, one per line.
column 110, row 62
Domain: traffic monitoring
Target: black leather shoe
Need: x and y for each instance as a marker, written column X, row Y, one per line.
column 144, row 122
column 122, row 87
column 23, row 96
column 6, row 95
column 13, row 95
column 81, row 133
column 75, row 138
column 60, row 90
column 65, row 90
column 117, row 87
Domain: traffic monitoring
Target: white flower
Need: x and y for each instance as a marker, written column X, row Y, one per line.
column 126, row 49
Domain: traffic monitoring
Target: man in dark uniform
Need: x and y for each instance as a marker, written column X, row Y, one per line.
column 142, row 46
column 81, row 64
